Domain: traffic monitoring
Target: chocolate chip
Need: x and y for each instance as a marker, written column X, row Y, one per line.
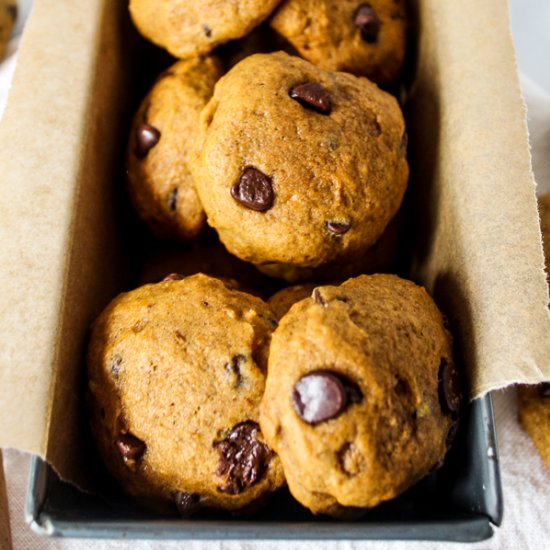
column 187, row 503
column 173, row 199
column 147, row 137
column 338, row 228
column 318, row 297
column 254, row 190
column 243, row 459
column 322, row 395
column 450, row 394
column 312, row 96
column 173, row 277
column 207, row 30
column 368, row 22
column 544, row 389
column 130, row 447
column 114, row 366
column 233, row 369
column 11, row 9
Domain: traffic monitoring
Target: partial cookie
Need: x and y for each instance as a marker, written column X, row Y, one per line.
column 363, row 38
column 187, row 29
column 283, row 300
column 205, row 255
column 299, row 166
column 362, row 396
column 176, row 374
column 534, row 416
column 8, row 14
column 159, row 181
column 544, row 212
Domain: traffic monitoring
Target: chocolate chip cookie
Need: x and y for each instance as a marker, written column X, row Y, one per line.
column 362, row 395
column 8, row 14
column 176, row 374
column 159, row 180
column 544, row 213
column 363, row 38
column 285, row 298
column 187, row 29
column 299, row 166
column 534, row 416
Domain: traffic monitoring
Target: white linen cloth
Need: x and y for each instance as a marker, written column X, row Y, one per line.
column 525, row 479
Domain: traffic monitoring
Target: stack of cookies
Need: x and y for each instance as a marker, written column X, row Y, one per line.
column 205, row 396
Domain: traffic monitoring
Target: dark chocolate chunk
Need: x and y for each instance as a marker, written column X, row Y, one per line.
column 233, row 368
column 367, row 21
column 187, row 503
column 254, row 190
column 338, row 228
column 130, row 447
column 147, row 137
column 322, row 395
column 243, row 459
column 450, row 394
column 318, row 297
column 11, row 9
column 207, row 30
column 114, row 366
column 544, row 389
column 173, row 277
column 312, row 96
column 173, row 199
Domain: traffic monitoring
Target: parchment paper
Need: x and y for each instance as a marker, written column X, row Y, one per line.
column 62, row 257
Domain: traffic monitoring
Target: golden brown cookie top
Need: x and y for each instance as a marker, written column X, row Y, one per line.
column 159, row 181
column 8, row 15
column 298, row 165
column 284, row 299
column 176, row 374
column 363, row 38
column 190, row 28
column 362, row 392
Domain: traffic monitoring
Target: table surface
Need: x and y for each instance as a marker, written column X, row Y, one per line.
column 525, row 479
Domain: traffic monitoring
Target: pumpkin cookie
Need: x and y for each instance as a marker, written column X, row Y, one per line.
column 187, row 29
column 176, row 374
column 299, row 166
column 159, row 180
column 363, row 38
column 362, row 395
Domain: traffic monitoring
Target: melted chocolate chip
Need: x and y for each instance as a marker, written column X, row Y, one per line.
column 254, row 190
column 207, row 30
column 173, row 199
column 173, row 277
column 243, row 459
column 147, row 137
column 312, row 96
column 544, row 389
column 367, row 21
column 322, row 395
column 187, row 503
column 130, row 447
column 338, row 228
column 451, row 434
column 11, row 9
column 450, row 394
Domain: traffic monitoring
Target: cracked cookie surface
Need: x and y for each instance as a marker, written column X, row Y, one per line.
column 362, row 393
column 176, row 374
